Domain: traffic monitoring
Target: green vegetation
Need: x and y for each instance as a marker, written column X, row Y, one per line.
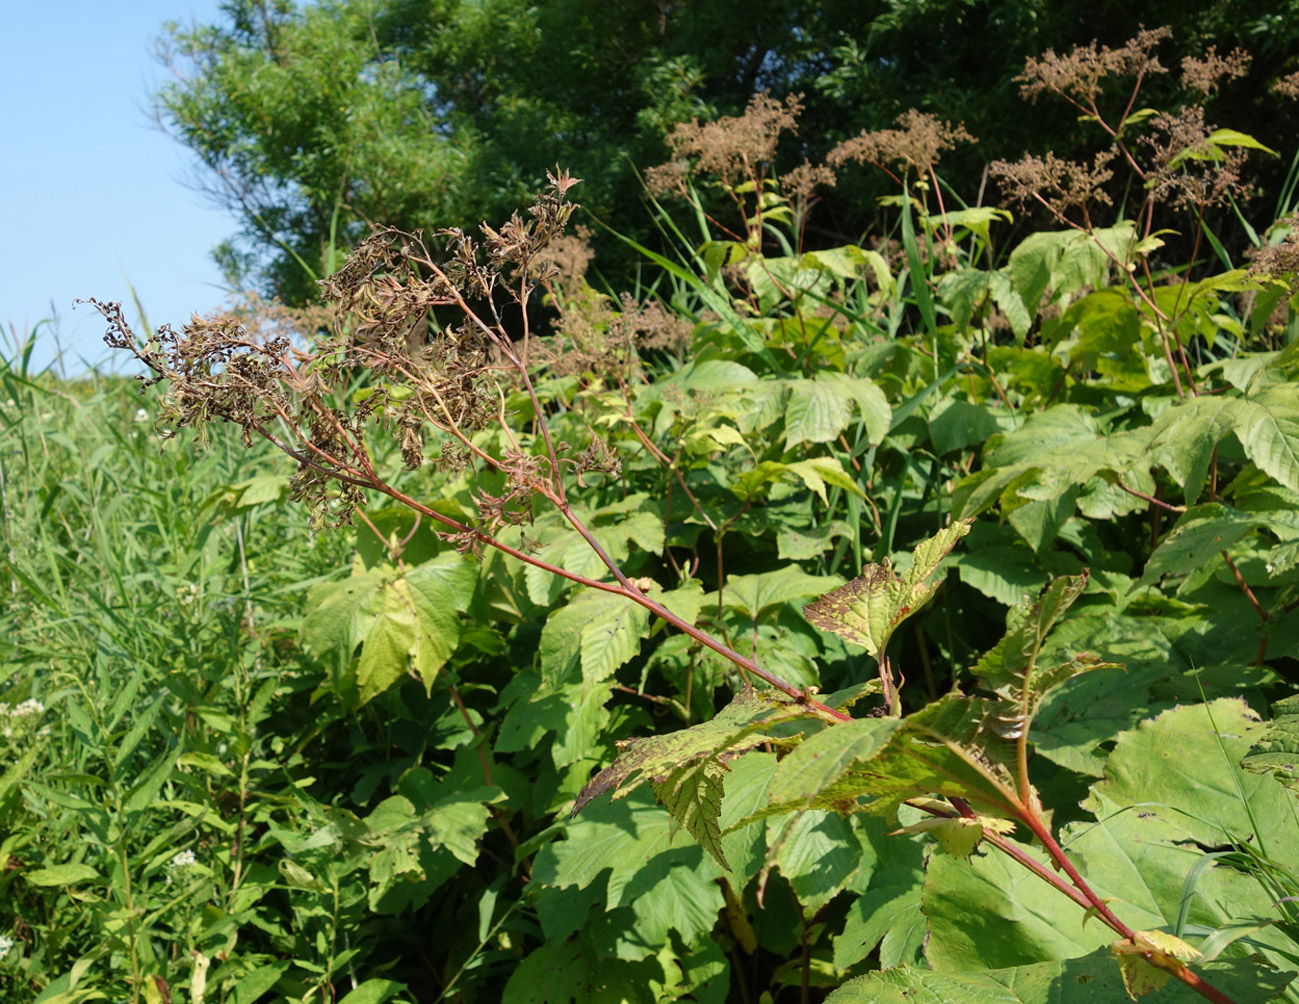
column 848, row 623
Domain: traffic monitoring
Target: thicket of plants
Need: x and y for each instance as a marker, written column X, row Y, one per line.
column 926, row 605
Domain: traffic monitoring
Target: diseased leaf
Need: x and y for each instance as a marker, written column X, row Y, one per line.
column 693, row 794
column 739, row 726
column 868, row 609
column 807, row 777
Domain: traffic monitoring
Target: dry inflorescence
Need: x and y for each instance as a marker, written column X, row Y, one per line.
column 284, row 375
column 1206, row 74
column 916, row 144
column 1280, row 259
column 1287, row 86
column 731, row 148
column 1188, row 171
column 1059, row 184
column 1078, row 75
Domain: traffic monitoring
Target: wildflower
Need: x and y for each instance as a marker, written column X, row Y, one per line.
column 43, row 732
column 6, row 946
column 185, row 859
column 141, row 415
column 31, row 706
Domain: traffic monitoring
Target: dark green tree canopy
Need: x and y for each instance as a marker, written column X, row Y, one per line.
column 313, row 121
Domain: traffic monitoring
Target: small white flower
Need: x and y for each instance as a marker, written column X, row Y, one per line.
column 43, row 732
column 6, row 946
column 8, row 732
column 9, row 403
column 185, row 859
column 141, row 415
column 4, row 709
column 31, row 706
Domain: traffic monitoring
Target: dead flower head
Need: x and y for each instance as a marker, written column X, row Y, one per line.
column 1189, row 171
column 1056, row 183
column 1280, row 260
column 1204, row 75
column 731, row 148
column 916, row 144
column 1287, row 86
column 1078, row 75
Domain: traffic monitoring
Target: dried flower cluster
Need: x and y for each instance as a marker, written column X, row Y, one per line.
column 1058, row 184
column 916, row 144
column 1280, row 259
column 1078, row 75
column 1204, row 75
column 1190, row 172
column 731, row 148
column 277, row 375
column 1287, row 86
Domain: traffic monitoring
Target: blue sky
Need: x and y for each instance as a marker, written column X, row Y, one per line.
column 94, row 193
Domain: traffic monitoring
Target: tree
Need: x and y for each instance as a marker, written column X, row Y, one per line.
column 313, row 121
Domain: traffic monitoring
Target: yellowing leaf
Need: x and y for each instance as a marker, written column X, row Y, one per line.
column 868, row 609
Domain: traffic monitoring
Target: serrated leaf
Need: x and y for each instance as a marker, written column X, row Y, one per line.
column 1011, row 668
column 1201, row 534
column 693, row 794
column 756, row 595
column 601, row 630
column 958, row 835
column 867, row 610
column 739, row 726
column 807, row 776
column 818, row 853
column 950, row 748
column 1268, row 428
column 821, row 408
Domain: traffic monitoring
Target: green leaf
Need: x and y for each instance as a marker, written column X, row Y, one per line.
column 373, row 992
column 601, row 630
column 756, row 595
column 1091, row 979
column 888, row 910
column 867, row 610
column 1268, row 428
column 818, row 853
column 1199, row 538
column 404, row 623
column 807, row 776
column 1011, row 669
column 58, row 875
column 572, row 972
column 955, row 424
column 254, row 983
column 1276, row 751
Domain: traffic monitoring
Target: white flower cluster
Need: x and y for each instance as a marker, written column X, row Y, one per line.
column 187, row 592
column 31, row 706
column 185, row 859
column 6, row 946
